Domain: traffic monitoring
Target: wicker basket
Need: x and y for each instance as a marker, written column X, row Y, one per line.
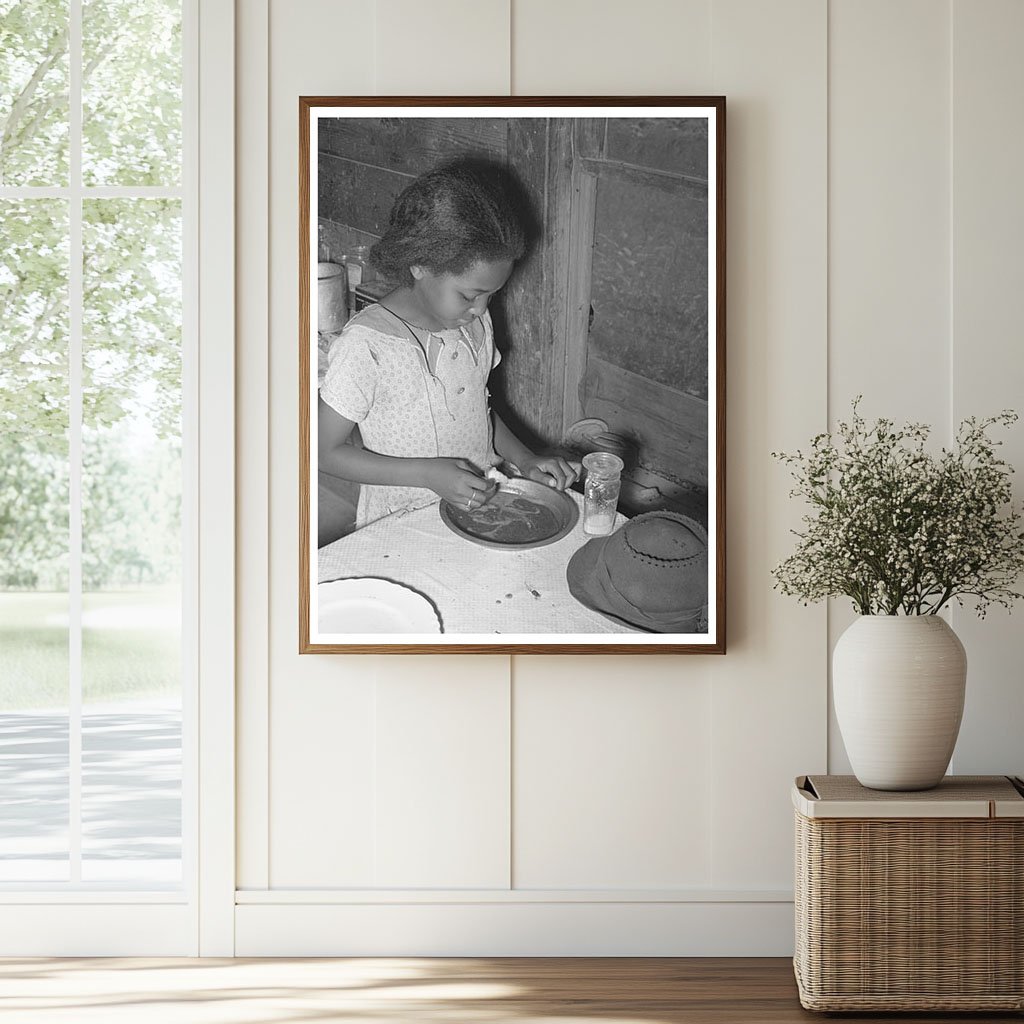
column 910, row 901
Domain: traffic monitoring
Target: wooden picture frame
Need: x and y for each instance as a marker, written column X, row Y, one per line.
column 611, row 332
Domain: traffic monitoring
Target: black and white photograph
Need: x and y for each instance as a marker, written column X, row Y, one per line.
column 512, row 374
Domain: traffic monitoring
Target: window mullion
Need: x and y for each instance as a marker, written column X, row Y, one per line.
column 75, row 302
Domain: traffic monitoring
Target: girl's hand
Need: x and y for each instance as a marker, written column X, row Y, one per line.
column 458, row 482
column 551, row 470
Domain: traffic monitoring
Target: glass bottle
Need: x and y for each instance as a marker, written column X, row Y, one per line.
column 357, row 263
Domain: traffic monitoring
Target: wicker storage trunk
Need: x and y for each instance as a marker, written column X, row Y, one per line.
column 910, row 901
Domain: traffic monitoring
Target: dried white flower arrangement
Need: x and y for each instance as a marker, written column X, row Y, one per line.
column 899, row 530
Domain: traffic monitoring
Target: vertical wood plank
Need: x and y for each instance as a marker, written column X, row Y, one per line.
column 322, row 782
column 987, row 354
column 578, row 48
column 571, row 351
column 612, row 774
column 442, row 773
column 560, row 262
column 590, row 137
column 539, row 307
column 523, row 310
column 442, row 48
column 889, row 208
column 888, row 225
column 769, row 705
column 321, row 709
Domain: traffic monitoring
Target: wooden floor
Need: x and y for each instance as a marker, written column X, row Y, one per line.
column 414, row 990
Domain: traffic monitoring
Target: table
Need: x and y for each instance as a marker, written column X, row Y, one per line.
column 475, row 589
column 909, row 900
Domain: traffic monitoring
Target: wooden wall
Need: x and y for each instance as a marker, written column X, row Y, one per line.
column 366, row 163
column 633, row 254
column 650, row 272
column 645, row 368
column 627, row 805
column 547, row 805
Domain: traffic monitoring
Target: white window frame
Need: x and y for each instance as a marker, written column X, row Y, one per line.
column 197, row 918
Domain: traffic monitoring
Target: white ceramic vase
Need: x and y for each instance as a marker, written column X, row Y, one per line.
column 898, row 684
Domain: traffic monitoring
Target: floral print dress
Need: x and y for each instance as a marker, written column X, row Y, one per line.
column 415, row 394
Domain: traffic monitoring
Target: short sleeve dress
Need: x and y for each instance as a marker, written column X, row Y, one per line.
column 415, row 394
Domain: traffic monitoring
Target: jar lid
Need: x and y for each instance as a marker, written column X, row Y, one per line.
column 602, row 462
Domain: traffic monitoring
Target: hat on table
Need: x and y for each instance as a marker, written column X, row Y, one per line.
column 652, row 573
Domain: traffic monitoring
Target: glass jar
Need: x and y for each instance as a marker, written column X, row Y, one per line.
column 357, row 264
column 601, row 492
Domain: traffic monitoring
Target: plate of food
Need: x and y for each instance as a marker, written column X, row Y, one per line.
column 365, row 604
column 521, row 514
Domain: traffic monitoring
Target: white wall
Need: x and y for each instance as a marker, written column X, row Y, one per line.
column 627, row 805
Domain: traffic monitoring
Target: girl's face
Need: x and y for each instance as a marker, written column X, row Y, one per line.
column 456, row 299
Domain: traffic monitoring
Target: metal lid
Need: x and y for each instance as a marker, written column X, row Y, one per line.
column 957, row 796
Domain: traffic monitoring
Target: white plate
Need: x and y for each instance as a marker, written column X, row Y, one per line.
column 368, row 605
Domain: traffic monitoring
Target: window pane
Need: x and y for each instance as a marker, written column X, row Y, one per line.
column 33, row 92
column 131, row 541
column 34, row 782
column 131, row 750
column 33, row 540
column 131, row 92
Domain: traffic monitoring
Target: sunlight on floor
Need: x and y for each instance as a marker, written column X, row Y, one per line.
column 224, row 991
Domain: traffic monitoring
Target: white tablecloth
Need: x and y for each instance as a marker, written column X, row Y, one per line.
column 475, row 589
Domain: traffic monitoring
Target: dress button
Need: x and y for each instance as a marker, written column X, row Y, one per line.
column 459, row 392
column 455, row 354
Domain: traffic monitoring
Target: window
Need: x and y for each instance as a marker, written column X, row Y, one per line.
column 96, row 458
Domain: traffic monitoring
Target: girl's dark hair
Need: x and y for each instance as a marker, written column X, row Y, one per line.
column 460, row 212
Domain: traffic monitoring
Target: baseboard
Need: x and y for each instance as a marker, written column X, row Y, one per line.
column 519, row 928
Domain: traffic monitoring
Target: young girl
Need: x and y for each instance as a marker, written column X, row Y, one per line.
column 411, row 370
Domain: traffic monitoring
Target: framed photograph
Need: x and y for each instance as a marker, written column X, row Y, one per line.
column 512, row 374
